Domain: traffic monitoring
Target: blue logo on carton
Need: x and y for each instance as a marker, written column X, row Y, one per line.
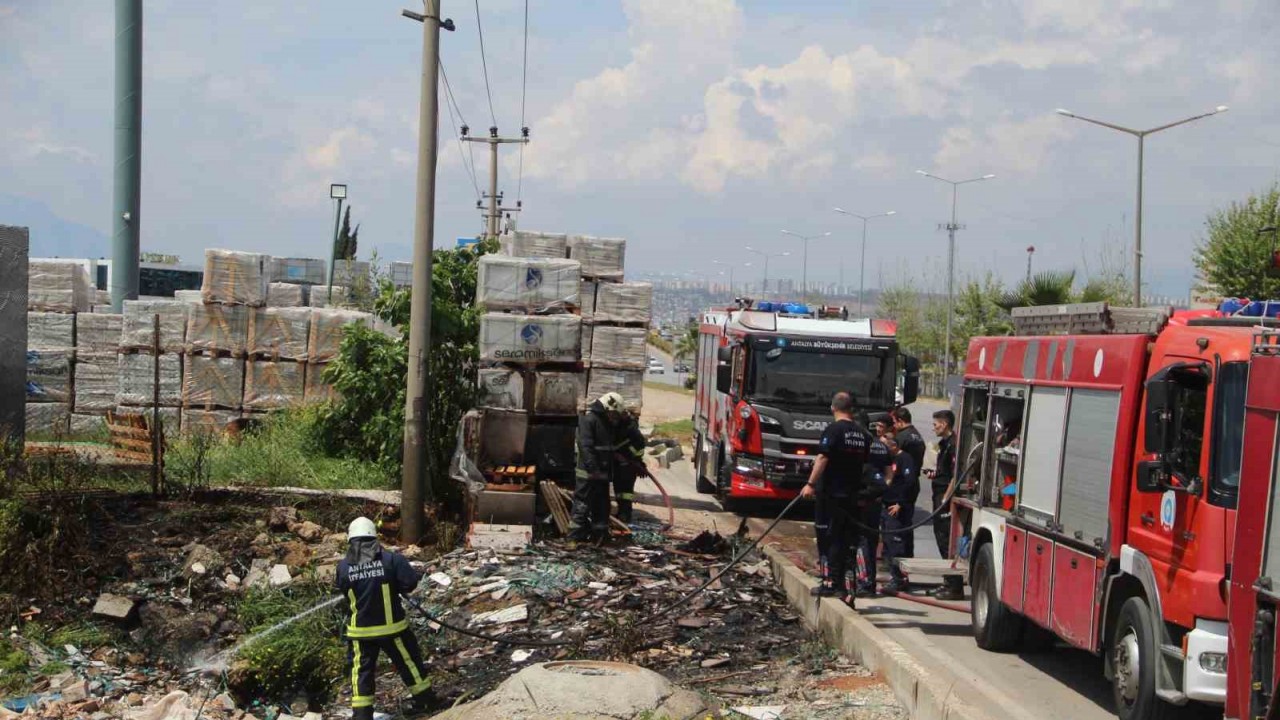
column 532, row 279
column 531, row 334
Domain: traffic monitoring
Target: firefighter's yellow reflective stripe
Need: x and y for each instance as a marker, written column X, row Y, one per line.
column 419, row 684
column 638, row 452
column 357, row 700
column 626, row 496
column 581, row 473
column 377, row 631
column 387, row 615
column 351, row 595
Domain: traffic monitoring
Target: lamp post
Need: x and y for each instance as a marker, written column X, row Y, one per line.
column 951, row 259
column 764, row 287
column 337, row 192
column 1142, row 136
column 804, row 283
column 731, row 267
column 1031, row 250
column 862, row 264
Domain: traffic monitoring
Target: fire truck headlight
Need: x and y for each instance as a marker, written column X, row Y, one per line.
column 750, row 467
column 744, row 412
column 1214, row 662
column 766, row 420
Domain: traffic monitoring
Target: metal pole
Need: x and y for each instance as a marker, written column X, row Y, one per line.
column 1137, row 232
column 862, row 269
column 804, row 283
column 764, row 291
column 415, row 486
column 333, row 252
column 1030, row 251
column 951, row 268
column 126, row 202
column 493, row 189
column 155, row 405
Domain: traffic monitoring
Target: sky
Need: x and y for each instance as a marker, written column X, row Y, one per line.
column 692, row 128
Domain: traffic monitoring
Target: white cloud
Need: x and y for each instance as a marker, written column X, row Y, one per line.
column 1016, row 147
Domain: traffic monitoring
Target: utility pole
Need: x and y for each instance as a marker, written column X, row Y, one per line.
column 764, row 286
column 1031, row 250
column 126, row 202
column 493, row 141
column 862, row 264
column 415, row 483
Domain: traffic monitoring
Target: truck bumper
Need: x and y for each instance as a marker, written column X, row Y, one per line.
column 742, row 486
column 1204, row 675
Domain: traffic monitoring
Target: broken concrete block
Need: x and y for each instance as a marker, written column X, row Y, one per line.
column 313, row 716
column 225, row 702
column 75, row 692
column 664, row 461
column 258, row 571
column 326, row 574
column 115, row 607
column 500, row 537
column 674, row 452
column 282, row 517
column 232, row 580
column 209, row 560
column 280, row 576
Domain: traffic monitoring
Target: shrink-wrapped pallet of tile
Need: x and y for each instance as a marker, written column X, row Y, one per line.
column 280, row 332
column 48, row 419
column 214, row 327
column 328, row 325
column 136, row 330
column 96, row 381
column 235, row 278
column 300, row 271
column 527, row 284
column 284, row 295
column 98, row 332
column 317, row 389
column 88, row 425
column 194, row 297
column 320, row 297
column 630, row 302
column 352, row 273
column 619, row 347
column 49, row 376
column 170, row 417
column 213, row 382
column 59, row 286
column 587, row 299
column 102, row 298
column 136, row 379
column 588, row 334
column 530, row 339
column 212, row 421
column 627, row 383
column 401, row 274
column 50, row 330
column 501, row 388
column 534, row 244
column 558, row 393
column 601, row 258
column 271, row 385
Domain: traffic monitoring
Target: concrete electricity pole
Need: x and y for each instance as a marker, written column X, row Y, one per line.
column 951, row 260
column 862, row 264
column 1142, row 136
column 415, row 484
column 494, row 215
column 126, row 202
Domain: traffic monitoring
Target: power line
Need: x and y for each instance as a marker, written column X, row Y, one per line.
column 524, row 88
column 451, row 105
column 483, row 64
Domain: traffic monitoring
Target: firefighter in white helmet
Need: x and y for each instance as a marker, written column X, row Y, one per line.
column 597, row 431
column 373, row 578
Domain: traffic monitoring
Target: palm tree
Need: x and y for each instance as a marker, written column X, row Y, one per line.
column 1053, row 287
column 687, row 345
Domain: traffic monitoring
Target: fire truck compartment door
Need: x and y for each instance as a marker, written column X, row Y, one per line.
column 1087, row 464
column 1042, row 451
column 1074, row 575
column 1039, row 579
column 1015, row 563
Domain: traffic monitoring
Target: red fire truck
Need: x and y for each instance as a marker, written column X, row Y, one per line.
column 765, row 381
column 1252, row 645
column 1099, row 474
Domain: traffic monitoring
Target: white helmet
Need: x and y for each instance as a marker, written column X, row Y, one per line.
column 612, row 402
column 361, row 527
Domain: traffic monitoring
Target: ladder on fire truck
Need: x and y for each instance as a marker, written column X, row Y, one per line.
column 1266, row 341
column 1095, row 318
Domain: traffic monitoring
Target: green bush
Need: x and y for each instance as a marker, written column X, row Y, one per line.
column 305, row 656
column 14, row 666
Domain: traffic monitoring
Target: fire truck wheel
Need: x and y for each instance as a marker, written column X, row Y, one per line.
column 995, row 626
column 705, row 486
column 1132, row 658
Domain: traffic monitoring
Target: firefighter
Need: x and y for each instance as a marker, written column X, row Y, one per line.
column 944, row 422
column 899, row 503
column 628, row 459
column 907, row 436
column 597, row 429
column 835, row 483
column 373, row 578
column 874, row 474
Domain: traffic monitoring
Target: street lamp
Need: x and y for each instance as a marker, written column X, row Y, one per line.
column 804, row 283
column 951, row 259
column 1141, row 135
column 862, row 265
column 1031, row 250
column 337, row 192
column 764, row 288
column 730, row 266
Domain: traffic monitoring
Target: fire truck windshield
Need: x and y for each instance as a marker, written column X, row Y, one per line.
column 809, row 379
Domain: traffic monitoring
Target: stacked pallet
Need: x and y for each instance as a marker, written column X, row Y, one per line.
column 56, row 291
column 152, row 340
column 616, row 315
column 96, row 370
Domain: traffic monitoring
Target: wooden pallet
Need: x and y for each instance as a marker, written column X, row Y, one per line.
column 559, row 509
column 132, row 438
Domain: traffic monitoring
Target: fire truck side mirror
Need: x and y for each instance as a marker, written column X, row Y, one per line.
column 910, row 379
column 1161, row 394
column 725, row 354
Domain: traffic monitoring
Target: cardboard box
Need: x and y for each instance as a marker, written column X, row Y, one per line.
column 270, row 385
column 534, row 244
column 530, row 339
column 619, row 347
column 601, row 258
column 99, row 331
column 50, row 330
column 527, row 284
column 137, row 326
column 501, row 388
column 213, row 382
column 627, row 383
column 219, row 327
column 624, row 303
column 136, row 379
column 235, row 278
column 280, row 332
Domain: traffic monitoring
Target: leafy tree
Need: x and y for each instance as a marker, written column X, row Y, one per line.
column 345, row 245
column 1234, row 258
column 687, row 346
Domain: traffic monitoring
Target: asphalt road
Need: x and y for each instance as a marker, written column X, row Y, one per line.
column 668, row 376
column 1058, row 683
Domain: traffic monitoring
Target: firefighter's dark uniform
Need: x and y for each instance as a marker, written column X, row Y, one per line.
column 628, row 450
column 878, row 463
column 595, row 465
column 378, row 624
column 846, row 446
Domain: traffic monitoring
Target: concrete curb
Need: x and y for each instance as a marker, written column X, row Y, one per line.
column 924, row 697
